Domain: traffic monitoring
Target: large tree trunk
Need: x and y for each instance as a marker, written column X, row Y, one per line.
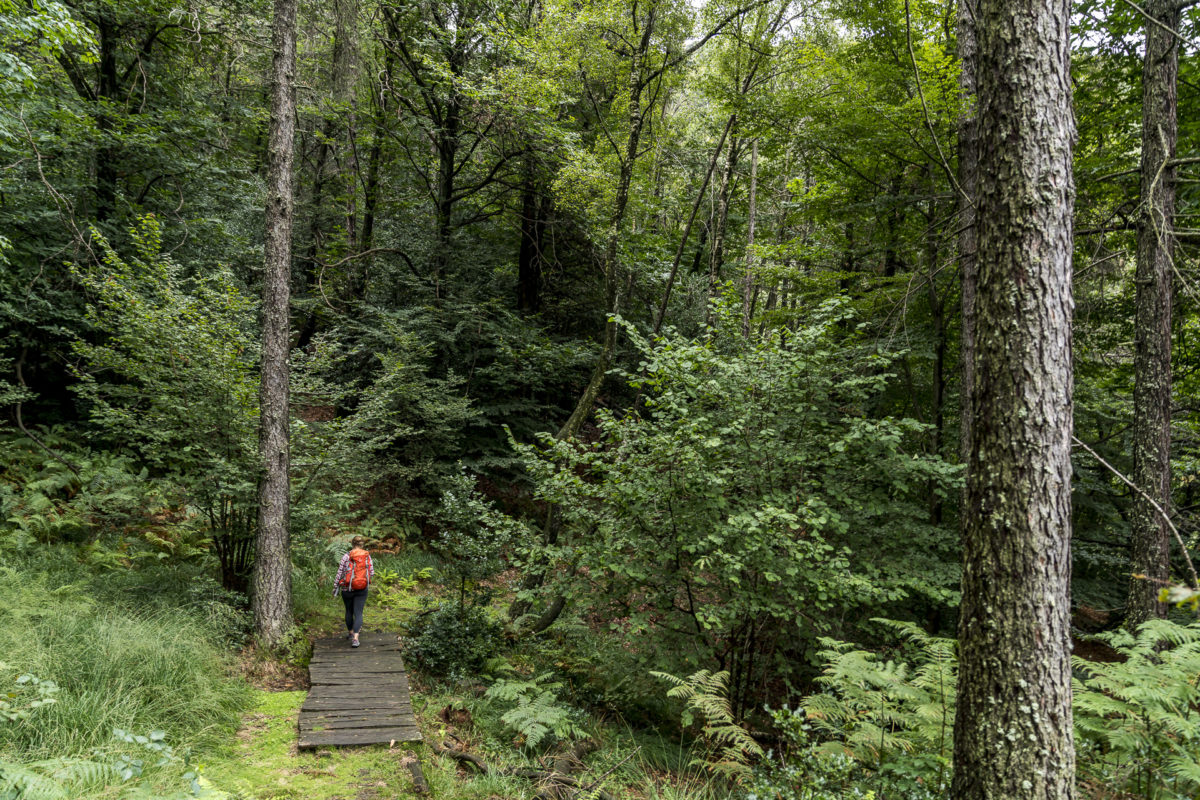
column 1013, row 730
column 272, row 601
column 1150, row 547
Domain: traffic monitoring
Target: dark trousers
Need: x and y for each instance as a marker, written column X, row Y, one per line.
column 354, row 600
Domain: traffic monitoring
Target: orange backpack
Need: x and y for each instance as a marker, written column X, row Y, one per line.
column 357, row 576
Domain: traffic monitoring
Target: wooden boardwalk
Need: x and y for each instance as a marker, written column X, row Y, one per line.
column 359, row 695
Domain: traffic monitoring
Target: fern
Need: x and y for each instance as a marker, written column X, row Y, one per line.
column 706, row 694
column 536, row 714
column 54, row 779
column 1138, row 716
column 873, row 709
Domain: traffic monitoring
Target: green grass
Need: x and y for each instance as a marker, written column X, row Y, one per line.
column 115, row 669
column 265, row 765
column 138, row 667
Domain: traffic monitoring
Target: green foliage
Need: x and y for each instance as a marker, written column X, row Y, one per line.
column 751, row 498
column 29, row 693
column 42, row 29
column 450, row 641
column 707, row 696
column 872, row 707
column 896, row 718
column 474, row 534
column 533, row 710
column 172, row 380
column 804, row 771
column 1135, row 719
column 43, row 500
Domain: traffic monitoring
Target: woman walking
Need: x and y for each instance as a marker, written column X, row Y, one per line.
column 352, row 581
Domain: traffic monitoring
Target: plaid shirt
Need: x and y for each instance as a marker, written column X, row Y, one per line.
column 344, row 569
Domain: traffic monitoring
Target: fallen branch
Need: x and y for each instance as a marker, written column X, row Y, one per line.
column 553, row 777
column 420, row 785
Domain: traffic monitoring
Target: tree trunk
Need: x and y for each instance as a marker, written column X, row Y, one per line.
column 1013, row 728
column 719, row 226
column 968, row 155
column 529, row 255
column 447, row 153
column 687, row 229
column 371, row 191
column 272, row 600
column 748, row 280
column 106, row 100
column 1150, row 546
column 612, row 276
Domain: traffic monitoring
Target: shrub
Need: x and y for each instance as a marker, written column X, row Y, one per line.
column 451, row 640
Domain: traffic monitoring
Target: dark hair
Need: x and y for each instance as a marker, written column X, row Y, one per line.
column 358, row 541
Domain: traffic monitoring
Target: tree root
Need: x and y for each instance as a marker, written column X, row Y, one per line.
column 558, row 784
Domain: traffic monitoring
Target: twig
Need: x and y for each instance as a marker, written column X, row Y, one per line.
column 1152, row 502
column 925, row 108
column 1158, row 22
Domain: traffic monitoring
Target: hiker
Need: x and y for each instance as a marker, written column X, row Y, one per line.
column 353, row 579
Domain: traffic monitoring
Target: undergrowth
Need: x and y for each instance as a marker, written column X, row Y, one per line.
column 142, row 687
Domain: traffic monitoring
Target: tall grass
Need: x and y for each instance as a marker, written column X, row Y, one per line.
column 117, row 667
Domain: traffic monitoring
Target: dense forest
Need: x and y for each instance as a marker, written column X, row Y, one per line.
column 750, row 399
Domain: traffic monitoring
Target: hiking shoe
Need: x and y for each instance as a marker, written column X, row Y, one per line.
column 354, row 643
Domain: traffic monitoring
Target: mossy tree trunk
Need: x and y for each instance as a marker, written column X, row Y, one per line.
column 1013, row 729
column 1150, row 546
column 272, row 597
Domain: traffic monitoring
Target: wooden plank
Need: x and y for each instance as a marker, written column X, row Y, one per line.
column 375, row 712
column 318, row 724
column 374, row 687
column 358, row 738
column 340, row 692
column 354, row 677
column 358, row 700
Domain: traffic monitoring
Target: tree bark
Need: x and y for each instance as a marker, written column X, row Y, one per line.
column 529, row 254
column 1013, row 728
column 719, row 226
column 968, row 155
column 1150, row 546
column 272, row 599
column 748, row 280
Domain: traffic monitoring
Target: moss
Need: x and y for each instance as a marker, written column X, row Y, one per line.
column 265, row 765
